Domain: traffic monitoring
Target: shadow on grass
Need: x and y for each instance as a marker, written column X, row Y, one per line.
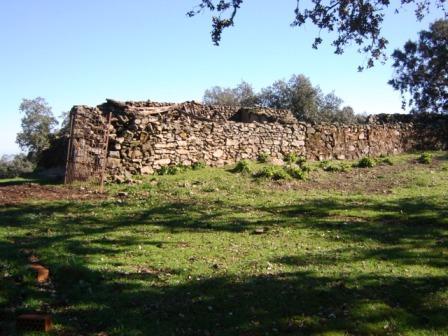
column 30, row 179
column 89, row 301
column 298, row 303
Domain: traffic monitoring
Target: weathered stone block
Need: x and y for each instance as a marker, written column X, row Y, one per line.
column 146, row 170
column 162, row 162
column 114, row 154
column 218, row 153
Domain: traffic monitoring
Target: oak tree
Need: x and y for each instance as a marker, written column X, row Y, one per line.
column 353, row 21
column 421, row 70
column 37, row 126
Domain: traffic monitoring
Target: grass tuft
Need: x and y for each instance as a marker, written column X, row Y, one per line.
column 425, row 158
column 366, row 162
column 243, row 166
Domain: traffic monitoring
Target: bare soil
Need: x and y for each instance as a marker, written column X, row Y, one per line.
column 19, row 193
column 381, row 179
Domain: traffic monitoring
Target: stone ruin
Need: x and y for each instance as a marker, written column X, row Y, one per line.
column 145, row 136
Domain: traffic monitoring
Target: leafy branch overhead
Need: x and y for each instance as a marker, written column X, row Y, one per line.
column 421, row 70
column 354, row 21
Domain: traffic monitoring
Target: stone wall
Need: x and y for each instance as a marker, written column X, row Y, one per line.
column 144, row 136
column 87, row 153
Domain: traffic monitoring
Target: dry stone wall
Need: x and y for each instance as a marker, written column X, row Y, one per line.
column 145, row 136
column 88, row 151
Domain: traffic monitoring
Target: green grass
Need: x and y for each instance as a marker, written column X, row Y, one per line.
column 180, row 255
column 18, row 181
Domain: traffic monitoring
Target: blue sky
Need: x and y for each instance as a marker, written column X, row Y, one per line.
column 83, row 51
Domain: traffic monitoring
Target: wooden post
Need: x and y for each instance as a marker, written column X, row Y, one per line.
column 105, row 149
column 69, row 150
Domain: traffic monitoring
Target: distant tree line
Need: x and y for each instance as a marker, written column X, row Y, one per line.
column 307, row 102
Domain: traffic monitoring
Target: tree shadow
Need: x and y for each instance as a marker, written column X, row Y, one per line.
column 300, row 303
column 406, row 231
column 30, row 179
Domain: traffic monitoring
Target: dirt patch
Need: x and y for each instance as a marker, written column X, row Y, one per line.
column 378, row 180
column 19, row 193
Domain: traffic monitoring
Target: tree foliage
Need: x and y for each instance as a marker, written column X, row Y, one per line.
column 242, row 95
column 14, row 166
column 307, row 102
column 297, row 95
column 37, row 126
column 421, row 70
column 353, row 21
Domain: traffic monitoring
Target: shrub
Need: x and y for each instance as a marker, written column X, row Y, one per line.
column 263, row 157
column 290, row 158
column 15, row 166
column 345, row 167
column 305, row 167
column 385, row 160
column 330, row 166
column 165, row 170
column 366, row 162
column 243, row 167
column 198, row 165
column 172, row 170
column 301, row 160
column 55, row 155
column 425, row 158
column 296, row 172
column 323, row 164
column 273, row 173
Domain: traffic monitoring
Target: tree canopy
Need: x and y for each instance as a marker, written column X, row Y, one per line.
column 353, row 21
column 242, row 95
column 307, row 102
column 14, row 166
column 421, row 70
column 37, row 126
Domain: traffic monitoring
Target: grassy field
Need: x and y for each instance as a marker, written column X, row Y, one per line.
column 213, row 252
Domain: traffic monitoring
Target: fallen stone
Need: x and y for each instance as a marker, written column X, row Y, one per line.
column 259, row 231
column 42, row 273
column 34, row 322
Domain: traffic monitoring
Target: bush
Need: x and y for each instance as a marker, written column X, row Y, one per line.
column 296, row 172
column 330, row 166
column 165, row 170
column 345, row 167
column 366, row 162
column 290, row 158
column 425, row 158
column 243, row 167
column 172, row 170
column 301, row 160
column 198, row 165
column 55, row 155
column 305, row 167
column 263, row 157
column 324, row 163
column 385, row 160
column 273, row 173
column 15, row 166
